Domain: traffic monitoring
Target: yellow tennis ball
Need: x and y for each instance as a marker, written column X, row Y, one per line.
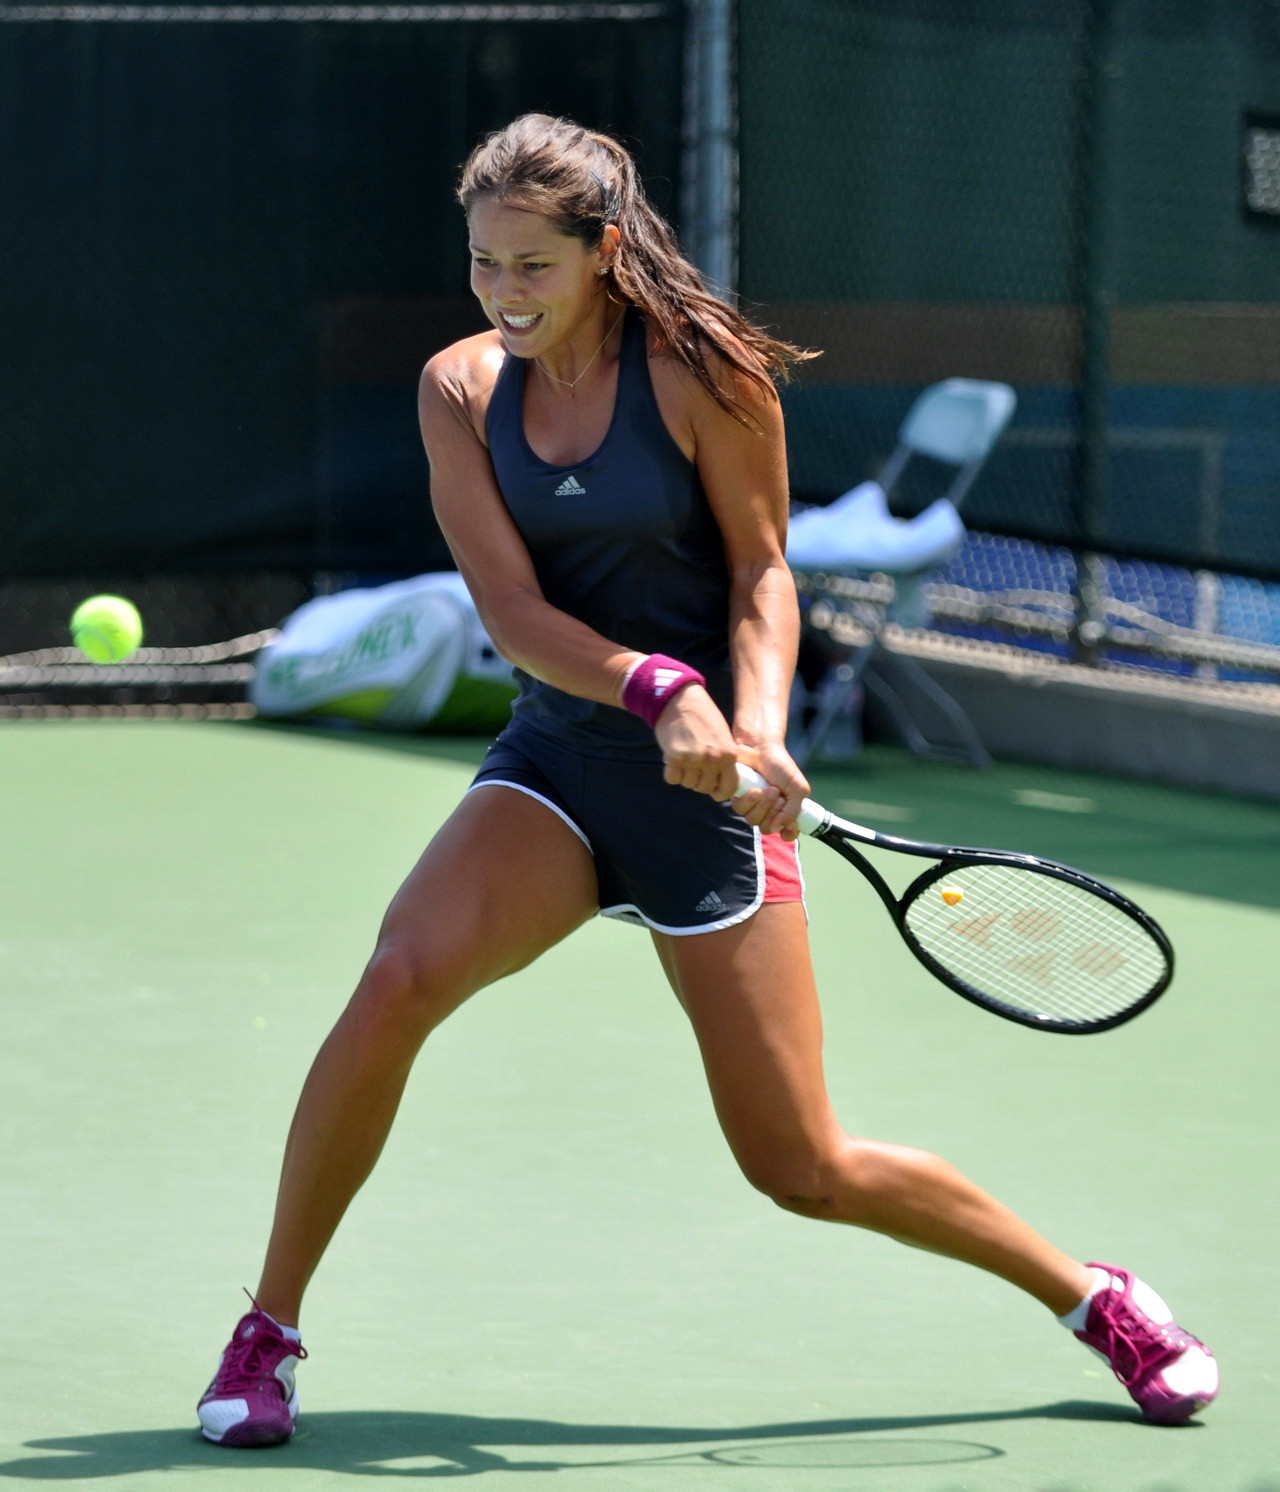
column 106, row 629
column 951, row 896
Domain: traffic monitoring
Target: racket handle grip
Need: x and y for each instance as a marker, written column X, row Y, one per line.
column 810, row 818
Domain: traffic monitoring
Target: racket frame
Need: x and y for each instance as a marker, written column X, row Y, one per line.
column 949, row 858
column 843, row 836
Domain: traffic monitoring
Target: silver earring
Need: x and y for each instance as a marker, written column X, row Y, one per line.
column 603, row 270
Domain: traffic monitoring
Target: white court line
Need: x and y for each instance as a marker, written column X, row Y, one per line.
column 890, row 812
column 1032, row 797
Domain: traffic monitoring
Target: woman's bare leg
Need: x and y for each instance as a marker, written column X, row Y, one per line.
column 502, row 881
column 749, row 993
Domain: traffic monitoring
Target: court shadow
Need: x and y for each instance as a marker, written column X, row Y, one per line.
column 408, row 1444
column 1184, row 838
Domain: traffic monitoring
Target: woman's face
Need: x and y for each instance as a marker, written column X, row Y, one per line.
column 537, row 285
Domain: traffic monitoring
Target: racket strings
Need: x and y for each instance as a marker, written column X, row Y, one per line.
column 1036, row 943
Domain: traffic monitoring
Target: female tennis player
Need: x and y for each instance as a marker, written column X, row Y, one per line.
column 609, row 469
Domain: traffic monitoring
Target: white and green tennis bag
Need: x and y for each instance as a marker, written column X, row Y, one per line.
column 408, row 655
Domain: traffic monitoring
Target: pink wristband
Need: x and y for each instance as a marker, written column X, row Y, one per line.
column 652, row 684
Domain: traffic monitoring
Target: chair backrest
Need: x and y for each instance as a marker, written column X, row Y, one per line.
column 956, row 421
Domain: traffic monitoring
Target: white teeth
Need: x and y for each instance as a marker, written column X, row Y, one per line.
column 520, row 322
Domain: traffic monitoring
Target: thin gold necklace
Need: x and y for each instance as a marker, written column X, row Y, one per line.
column 575, row 382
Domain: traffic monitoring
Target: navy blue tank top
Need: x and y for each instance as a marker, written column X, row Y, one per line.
column 624, row 541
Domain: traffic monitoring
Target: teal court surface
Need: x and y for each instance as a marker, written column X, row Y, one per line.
column 556, row 1276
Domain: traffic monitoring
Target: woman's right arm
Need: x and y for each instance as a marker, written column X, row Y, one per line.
column 491, row 555
column 529, row 632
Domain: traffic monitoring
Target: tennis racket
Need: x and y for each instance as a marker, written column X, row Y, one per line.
column 1028, row 939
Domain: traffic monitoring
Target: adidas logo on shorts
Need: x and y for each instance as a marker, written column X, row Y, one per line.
column 711, row 903
column 570, row 487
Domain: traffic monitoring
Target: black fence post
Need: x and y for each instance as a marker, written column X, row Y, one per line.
column 709, row 210
column 1096, row 300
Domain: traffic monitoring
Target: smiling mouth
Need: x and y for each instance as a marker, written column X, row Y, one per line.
column 520, row 323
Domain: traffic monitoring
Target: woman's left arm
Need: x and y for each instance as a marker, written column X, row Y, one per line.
column 743, row 468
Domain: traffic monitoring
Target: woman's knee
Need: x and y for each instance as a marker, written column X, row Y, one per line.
column 843, row 1179
column 800, row 1176
column 409, row 990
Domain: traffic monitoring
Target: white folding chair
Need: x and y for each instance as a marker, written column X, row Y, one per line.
column 956, row 422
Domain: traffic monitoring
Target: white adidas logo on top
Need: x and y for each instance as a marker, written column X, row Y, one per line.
column 570, row 487
column 663, row 678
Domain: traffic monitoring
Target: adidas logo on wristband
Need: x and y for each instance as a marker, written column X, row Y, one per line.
column 651, row 680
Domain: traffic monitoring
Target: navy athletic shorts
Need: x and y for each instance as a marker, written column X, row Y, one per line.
column 666, row 857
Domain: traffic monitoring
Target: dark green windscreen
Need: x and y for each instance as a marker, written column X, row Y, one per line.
column 226, row 251
column 1046, row 192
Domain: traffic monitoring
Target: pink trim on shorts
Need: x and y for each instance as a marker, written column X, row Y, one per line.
column 782, row 878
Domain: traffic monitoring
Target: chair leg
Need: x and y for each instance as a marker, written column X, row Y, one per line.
column 970, row 748
column 972, row 743
column 835, row 699
column 902, row 716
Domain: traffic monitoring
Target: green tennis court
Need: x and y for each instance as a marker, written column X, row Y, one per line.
column 556, row 1267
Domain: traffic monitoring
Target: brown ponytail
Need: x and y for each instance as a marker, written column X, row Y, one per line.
column 581, row 181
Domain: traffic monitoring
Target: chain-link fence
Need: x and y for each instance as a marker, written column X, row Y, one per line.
column 1076, row 197
column 228, row 242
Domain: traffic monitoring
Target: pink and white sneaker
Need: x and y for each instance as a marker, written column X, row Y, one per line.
column 1169, row 1373
column 252, row 1399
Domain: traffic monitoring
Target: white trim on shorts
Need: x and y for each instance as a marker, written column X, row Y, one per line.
column 626, row 911
column 529, row 792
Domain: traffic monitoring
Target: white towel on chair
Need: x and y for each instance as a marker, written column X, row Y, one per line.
column 857, row 532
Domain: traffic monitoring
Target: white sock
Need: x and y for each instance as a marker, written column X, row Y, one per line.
column 289, row 1333
column 1075, row 1319
column 1195, row 1372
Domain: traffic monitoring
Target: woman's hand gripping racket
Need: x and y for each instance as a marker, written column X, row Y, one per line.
column 1028, row 939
